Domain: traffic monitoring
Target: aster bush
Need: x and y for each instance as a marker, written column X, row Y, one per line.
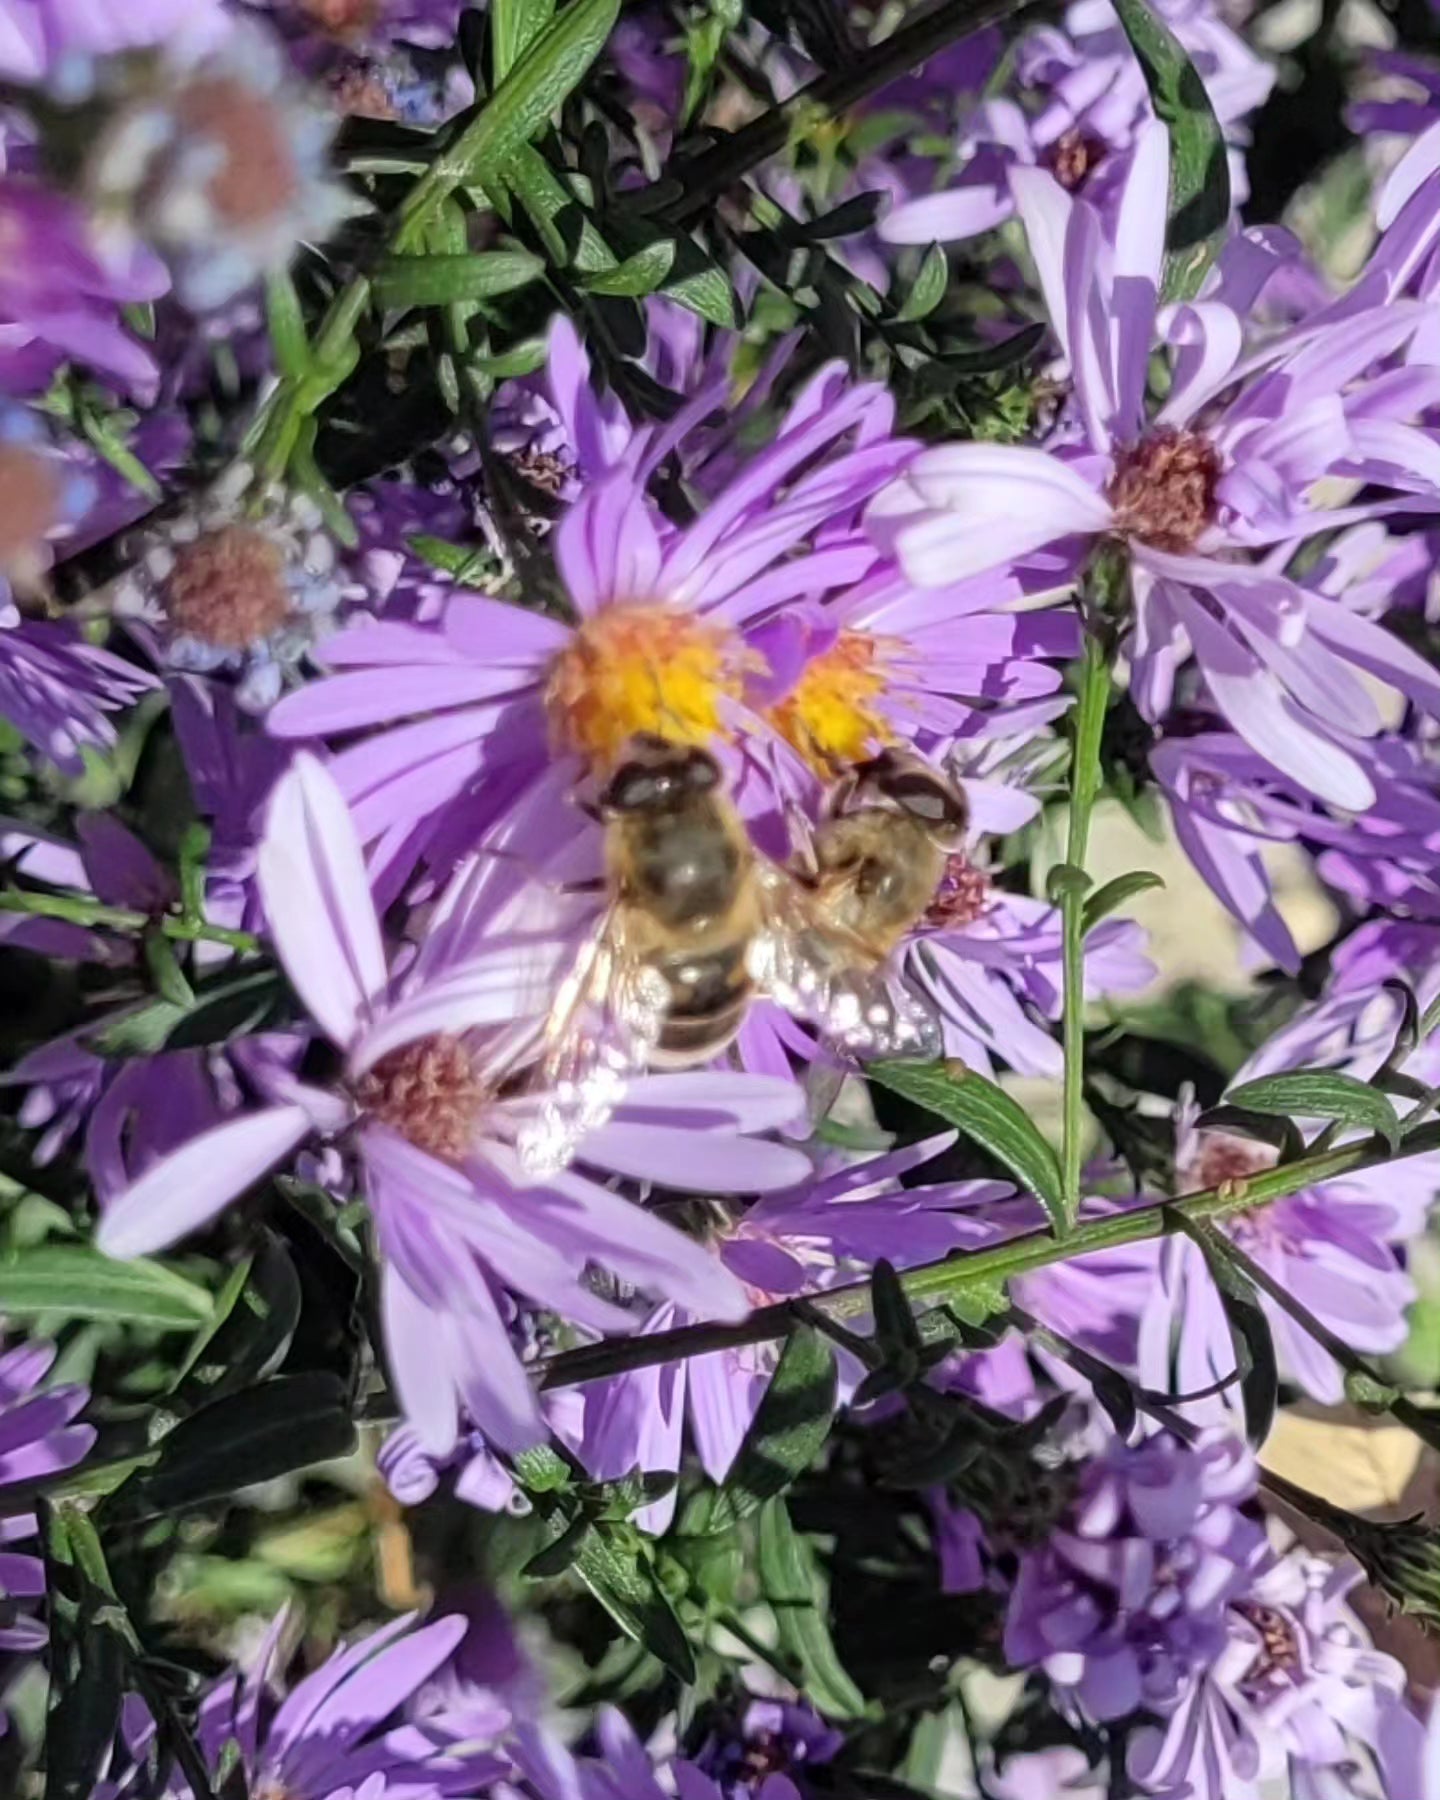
column 719, row 807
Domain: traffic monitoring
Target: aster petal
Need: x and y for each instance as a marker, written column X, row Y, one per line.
column 317, row 900
column 948, row 218
column 427, row 1402
column 1044, row 208
column 1416, row 166
column 186, row 1189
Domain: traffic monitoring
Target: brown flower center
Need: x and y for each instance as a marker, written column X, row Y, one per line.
column 1224, row 1157
column 1072, row 156
column 359, row 93
column 1277, row 1661
column 963, row 894
column 429, row 1092
column 257, row 177
column 29, row 501
column 228, row 588
column 542, row 469
column 1163, row 491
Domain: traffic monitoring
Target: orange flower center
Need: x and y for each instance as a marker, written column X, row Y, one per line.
column 228, row 588
column 643, row 668
column 429, row 1092
column 831, row 715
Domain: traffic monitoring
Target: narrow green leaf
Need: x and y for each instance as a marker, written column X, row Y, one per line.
column 706, row 292
column 1114, row 894
column 986, row 1113
column 789, row 1427
column 450, row 280
column 286, row 324
column 261, row 1433
column 796, row 1592
column 234, row 1003
column 895, row 1328
column 1249, row 1328
column 75, row 1281
column 614, row 1564
column 1320, row 1094
column 541, row 1471
column 514, row 26
column 541, row 80
column 638, row 275
column 255, row 1318
column 570, row 236
column 1199, row 204
column 928, row 288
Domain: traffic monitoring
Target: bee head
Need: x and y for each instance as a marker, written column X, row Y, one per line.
column 656, row 776
column 908, row 785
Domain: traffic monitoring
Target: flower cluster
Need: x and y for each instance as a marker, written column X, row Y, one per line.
column 558, row 659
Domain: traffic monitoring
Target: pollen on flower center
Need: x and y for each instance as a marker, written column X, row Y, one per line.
column 342, row 18
column 831, row 715
column 1072, row 157
column 1163, row 491
column 257, row 176
column 29, row 501
column 642, row 668
column 961, row 897
column 228, row 588
column 1277, row 1660
column 1224, row 1157
column 429, row 1092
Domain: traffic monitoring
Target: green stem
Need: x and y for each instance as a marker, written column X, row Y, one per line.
column 955, row 1277
column 75, row 910
column 1088, row 723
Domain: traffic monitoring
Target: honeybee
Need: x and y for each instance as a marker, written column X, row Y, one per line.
column 697, row 923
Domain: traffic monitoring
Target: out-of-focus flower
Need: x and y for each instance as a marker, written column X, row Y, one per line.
column 1198, row 489
column 44, row 40
column 43, row 495
column 456, row 1220
column 247, row 593
column 332, row 1737
column 39, row 1437
column 216, row 160
column 61, row 290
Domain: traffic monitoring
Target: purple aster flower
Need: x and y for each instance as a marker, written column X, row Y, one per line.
column 61, row 292
column 1077, row 107
column 1125, row 1603
column 216, row 160
column 38, row 1438
column 659, row 639
column 1402, row 92
column 1333, row 1247
column 765, row 1754
column 456, row 1220
column 1287, row 666
column 332, row 1736
column 1060, row 1773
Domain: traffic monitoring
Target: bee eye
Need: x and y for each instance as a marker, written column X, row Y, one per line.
column 928, row 800
column 633, row 788
column 702, row 772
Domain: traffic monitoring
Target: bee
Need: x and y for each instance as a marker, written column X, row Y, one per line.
column 697, row 922
column 866, row 878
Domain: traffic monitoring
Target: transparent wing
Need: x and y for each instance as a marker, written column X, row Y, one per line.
column 822, row 974
column 603, row 1027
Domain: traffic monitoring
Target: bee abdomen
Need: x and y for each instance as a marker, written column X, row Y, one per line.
column 709, row 991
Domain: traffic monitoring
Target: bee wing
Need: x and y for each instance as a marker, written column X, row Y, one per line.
column 811, row 969
column 605, row 1023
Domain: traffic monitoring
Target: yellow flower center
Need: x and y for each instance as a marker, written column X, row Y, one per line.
column 643, row 668
column 830, row 715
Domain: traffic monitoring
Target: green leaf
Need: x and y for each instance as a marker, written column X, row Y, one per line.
column 233, row 1004
column 895, row 1328
column 638, row 275
column 255, row 1317
column 796, row 1592
column 261, row 1433
column 614, row 1564
column 565, row 228
column 75, row 1281
column 541, row 1471
column 928, row 288
column 514, row 26
column 1199, row 204
column 1249, row 1328
column 986, row 1113
column 541, row 80
column 703, row 289
column 1114, row 895
column 1320, row 1094
column 451, row 280
column 789, row 1427
column 286, row 324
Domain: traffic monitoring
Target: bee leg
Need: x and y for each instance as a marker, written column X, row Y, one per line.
column 587, row 884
